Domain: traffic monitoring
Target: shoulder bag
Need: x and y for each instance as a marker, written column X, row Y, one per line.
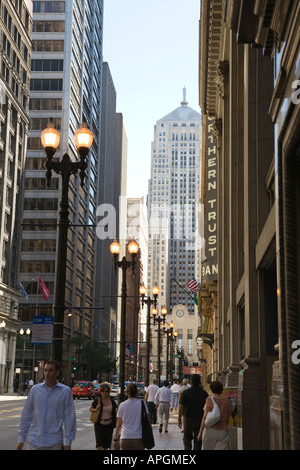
column 147, row 433
column 213, row 417
column 95, row 415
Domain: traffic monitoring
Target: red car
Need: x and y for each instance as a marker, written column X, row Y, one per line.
column 83, row 389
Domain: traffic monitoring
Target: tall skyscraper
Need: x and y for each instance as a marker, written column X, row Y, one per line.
column 15, row 52
column 65, row 85
column 173, row 210
column 173, row 204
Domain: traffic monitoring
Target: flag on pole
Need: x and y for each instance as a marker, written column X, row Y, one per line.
column 43, row 289
column 127, row 352
column 193, row 285
column 22, row 289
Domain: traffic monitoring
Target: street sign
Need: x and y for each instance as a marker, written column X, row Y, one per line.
column 42, row 329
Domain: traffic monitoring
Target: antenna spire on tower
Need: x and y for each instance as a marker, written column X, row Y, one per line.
column 184, row 102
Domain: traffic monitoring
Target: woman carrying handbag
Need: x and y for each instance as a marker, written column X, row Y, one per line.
column 105, row 407
column 215, row 436
column 129, row 427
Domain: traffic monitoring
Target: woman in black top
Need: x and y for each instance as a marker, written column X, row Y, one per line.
column 107, row 418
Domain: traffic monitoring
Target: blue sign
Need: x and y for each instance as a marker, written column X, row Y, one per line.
column 42, row 329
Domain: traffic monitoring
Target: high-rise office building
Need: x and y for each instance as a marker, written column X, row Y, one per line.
column 111, row 211
column 173, row 209
column 66, row 71
column 15, row 51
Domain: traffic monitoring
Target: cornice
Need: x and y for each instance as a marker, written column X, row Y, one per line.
column 211, row 25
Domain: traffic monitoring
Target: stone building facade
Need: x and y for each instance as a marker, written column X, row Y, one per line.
column 248, row 81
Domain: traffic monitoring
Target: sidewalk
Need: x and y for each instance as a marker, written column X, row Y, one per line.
column 172, row 440
column 85, row 439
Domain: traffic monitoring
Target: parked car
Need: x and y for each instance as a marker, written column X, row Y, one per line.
column 141, row 387
column 114, row 391
column 83, row 389
column 97, row 387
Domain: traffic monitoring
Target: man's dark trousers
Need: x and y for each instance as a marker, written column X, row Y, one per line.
column 191, row 427
column 152, row 412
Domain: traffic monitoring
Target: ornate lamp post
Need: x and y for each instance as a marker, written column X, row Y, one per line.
column 50, row 139
column 148, row 301
column 124, row 264
column 159, row 320
column 23, row 333
column 171, row 339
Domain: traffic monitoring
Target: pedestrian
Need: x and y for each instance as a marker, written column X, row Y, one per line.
column 107, row 418
column 129, row 421
column 149, row 399
column 48, row 409
column 30, row 385
column 164, row 402
column 184, row 386
column 175, row 389
column 216, row 437
column 192, row 402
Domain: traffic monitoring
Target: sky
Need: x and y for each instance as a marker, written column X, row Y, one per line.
column 151, row 47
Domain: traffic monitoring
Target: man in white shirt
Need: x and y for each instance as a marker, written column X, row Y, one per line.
column 164, row 401
column 175, row 389
column 48, row 408
column 149, row 398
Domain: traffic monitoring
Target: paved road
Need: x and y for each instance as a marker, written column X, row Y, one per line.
column 10, row 412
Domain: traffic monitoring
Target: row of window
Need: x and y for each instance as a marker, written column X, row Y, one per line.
column 41, row 104
column 41, row 183
column 36, row 204
column 46, row 84
column 48, row 26
column 32, row 225
column 47, row 65
column 39, row 245
column 48, row 7
column 48, row 45
column 36, row 124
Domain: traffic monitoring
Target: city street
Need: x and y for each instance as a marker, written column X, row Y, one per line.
column 10, row 412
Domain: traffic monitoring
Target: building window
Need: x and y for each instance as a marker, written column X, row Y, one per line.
column 189, row 341
column 47, row 45
column 48, row 7
column 47, row 65
column 46, row 84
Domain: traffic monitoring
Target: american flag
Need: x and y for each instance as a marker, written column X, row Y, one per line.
column 193, row 285
column 127, row 352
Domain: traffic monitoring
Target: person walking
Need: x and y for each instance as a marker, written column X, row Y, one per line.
column 107, row 418
column 216, row 437
column 48, row 414
column 184, row 386
column 149, row 399
column 129, row 421
column 192, row 402
column 164, row 402
column 175, row 389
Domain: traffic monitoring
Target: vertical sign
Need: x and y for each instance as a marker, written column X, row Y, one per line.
column 42, row 329
column 210, row 266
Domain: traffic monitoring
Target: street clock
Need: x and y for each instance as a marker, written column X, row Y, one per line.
column 180, row 313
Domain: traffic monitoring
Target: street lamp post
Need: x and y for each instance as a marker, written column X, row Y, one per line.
column 124, row 264
column 171, row 338
column 159, row 320
column 50, row 139
column 148, row 301
column 22, row 333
